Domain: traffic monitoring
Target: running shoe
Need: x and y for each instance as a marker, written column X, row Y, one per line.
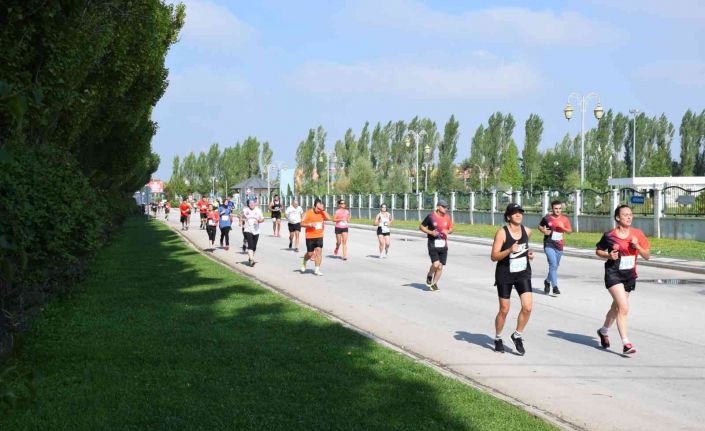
column 381, row 255
column 498, row 345
column 628, row 349
column 556, row 291
column 317, row 272
column 227, row 247
column 604, row 339
column 335, row 252
column 303, row 267
column 519, row 344
column 434, row 287
column 546, row 287
column 289, row 244
column 296, row 250
column 429, row 281
column 250, row 262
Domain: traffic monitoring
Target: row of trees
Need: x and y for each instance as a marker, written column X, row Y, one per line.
column 78, row 82
column 384, row 159
column 228, row 167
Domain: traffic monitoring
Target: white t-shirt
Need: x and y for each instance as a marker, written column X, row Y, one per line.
column 294, row 214
column 252, row 218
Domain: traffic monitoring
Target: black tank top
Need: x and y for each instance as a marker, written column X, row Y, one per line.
column 276, row 207
column 515, row 266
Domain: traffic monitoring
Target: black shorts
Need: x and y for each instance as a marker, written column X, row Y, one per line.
column 313, row 243
column 340, row 230
column 615, row 277
column 184, row 219
column 204, row 215
column 438, row 254
column 251, row 240
column 294, row 227
column 276, row 214
column 379, row 231
column 504, row 290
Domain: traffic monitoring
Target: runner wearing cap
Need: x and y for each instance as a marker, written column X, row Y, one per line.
column 341, row 219
column 437, row 226
column 252, row 217
column 554, row 226
column 293, row 216
column 620, row 247
column 313, row 221
column 383, row 220
column 511, row 252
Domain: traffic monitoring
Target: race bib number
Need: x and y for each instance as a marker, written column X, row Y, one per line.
column 518, row 264
column 318, row 226
column 211, row 222
column 225, row 217
column 439, row 243
column 627, row 262
column 385, row 228
column 343, row 223
column 251, row 222
column 556, row 236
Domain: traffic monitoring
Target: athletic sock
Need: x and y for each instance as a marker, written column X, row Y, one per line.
column 498, row 336
column 603, row 330
column 625, row 341
column 517, row 334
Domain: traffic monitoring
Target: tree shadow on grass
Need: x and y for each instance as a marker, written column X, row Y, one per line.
column 187, row 344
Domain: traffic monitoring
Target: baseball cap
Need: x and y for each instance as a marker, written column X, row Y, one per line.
column 442, row 203
column 513, row 208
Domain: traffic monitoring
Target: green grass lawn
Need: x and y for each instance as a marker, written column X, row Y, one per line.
column 659, row 246
column 160, row 337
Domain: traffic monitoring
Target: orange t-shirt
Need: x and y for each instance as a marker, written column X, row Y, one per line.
column 184, row 207
column 312, row 216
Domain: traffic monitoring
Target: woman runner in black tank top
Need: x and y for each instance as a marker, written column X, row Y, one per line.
column 511, row 252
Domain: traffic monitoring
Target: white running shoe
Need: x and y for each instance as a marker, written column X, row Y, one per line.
column 303, row 268
column 318, row 272
column 381, row 255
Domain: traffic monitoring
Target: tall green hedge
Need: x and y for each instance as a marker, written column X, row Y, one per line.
column 78, row 82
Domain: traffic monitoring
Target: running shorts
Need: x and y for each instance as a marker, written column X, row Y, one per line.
column 379, row 231
column 184, row 219
column 504, row 290
column 294, row 227
column 438, row 254
column 276, row 214
column 340, row 230
column 614, row 277
column 313, row 243
column 204, row 215
column 251, row 240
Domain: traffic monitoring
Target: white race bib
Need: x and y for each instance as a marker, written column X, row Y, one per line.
column 439, row 243
column 251, row 222
column 627, row 262
column 225, row 217
column 518, row 264
column 318, row 226
column 556, row 236
column 211, row 222
column 385, row 228
column 343, row 223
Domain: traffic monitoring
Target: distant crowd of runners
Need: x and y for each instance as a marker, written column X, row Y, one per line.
column 620, row 248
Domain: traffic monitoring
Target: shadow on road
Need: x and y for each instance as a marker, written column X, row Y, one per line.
column 585, row 340
column 482, row 340
column 419, row 286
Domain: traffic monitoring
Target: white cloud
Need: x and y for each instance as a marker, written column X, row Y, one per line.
column 498, row 24
column 212, row 26
column 418, row 80
column 203, row 89
column 689, row 10
column 685, row 73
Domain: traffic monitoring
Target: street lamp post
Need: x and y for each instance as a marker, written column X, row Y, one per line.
column 634, row 113
column 568, row 112
column 335, row 163
column 212, row 186
column 427, row 165
column 483, row 175
column 417, row 140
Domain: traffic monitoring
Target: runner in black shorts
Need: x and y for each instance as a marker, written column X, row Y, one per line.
column 437, row 226
column 511, row 252
column 276, row 212
column 293, row 216
column 620, row 247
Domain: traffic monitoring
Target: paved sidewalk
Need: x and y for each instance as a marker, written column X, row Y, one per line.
column 564, row 375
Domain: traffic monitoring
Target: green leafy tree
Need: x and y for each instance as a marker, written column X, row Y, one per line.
column 362, row 177
column 690, row 133
column 447, row 150
column 509, row 173
column 531, row 157
column 363, row 143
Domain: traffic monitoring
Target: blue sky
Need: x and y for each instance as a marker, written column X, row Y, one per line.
column 274, row 69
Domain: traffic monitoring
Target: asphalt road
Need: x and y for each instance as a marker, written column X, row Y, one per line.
column 564, row 374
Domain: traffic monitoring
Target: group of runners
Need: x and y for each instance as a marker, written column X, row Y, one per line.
column 510, row 250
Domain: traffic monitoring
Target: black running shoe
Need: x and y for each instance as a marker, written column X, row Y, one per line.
column 434, row 287
column 289, row 244
column 498, row 345
column 604, row 339
column 519, row 344
column 429, row 281
column 628, row 349
column 556, row 291
column 546, row 287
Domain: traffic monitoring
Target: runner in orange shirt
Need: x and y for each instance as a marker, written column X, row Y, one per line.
column 185, row 209
column 313, row 221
